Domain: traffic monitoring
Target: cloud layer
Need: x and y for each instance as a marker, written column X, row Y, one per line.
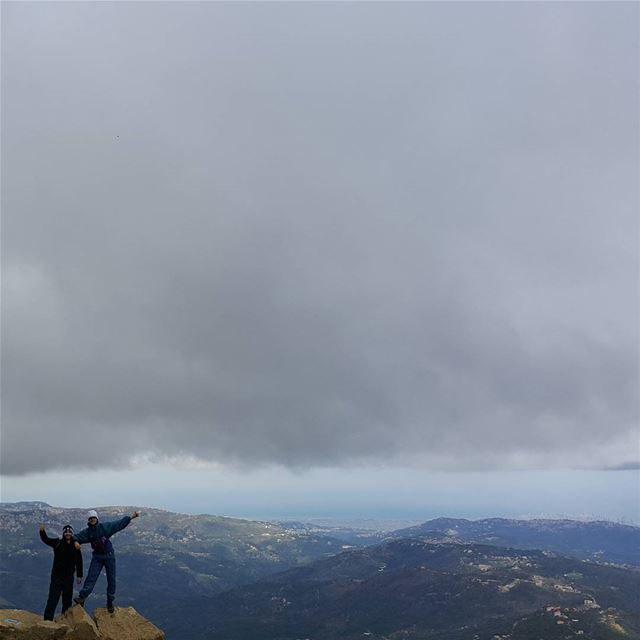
column 320, row 234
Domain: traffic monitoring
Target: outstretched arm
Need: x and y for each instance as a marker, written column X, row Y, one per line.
column 46, row 539
column 118, row 525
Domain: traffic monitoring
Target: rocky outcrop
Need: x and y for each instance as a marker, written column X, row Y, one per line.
column 84, row 628
column 127, row 623
column 76, row 624
column 24, row 625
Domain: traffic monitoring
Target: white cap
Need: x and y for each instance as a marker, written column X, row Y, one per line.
column 92, row 514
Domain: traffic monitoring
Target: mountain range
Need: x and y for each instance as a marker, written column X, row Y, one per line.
column 598, row 540
column 409, row 588
column 164, row 555
column 237, row 579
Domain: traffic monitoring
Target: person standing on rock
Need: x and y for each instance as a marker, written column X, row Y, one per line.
column 98, row 534
column 67, row 560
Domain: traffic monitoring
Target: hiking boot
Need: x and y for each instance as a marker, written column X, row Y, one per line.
column 110, row 608
column 79, row 601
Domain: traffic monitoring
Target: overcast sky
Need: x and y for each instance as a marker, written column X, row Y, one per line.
column 320, row 235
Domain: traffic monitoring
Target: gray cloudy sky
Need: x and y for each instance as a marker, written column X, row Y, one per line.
column 320, row 234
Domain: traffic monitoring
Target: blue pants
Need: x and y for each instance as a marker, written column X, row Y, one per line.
column 97, row 562
column 59, row 585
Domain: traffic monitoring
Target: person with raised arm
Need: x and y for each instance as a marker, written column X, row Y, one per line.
column 67, row 560
column 98, row 534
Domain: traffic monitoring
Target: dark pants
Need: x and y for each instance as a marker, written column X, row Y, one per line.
column 58, row 585
column 97, row 562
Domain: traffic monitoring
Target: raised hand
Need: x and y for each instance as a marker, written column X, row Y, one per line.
column 135, row 514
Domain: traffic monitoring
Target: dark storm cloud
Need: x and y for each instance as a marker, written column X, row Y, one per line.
column 320, row 233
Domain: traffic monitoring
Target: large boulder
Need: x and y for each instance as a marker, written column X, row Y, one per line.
column 81, row 624
column 125, row 622
column 24, row 625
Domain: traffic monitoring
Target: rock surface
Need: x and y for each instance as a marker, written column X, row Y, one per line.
column 84, row 628
column 15, row 623
column 76, row 624
column 127, row 623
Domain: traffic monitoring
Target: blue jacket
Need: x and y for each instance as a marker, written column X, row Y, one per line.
column 99, row 534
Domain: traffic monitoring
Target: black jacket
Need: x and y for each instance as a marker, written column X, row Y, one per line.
column 66, row 558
